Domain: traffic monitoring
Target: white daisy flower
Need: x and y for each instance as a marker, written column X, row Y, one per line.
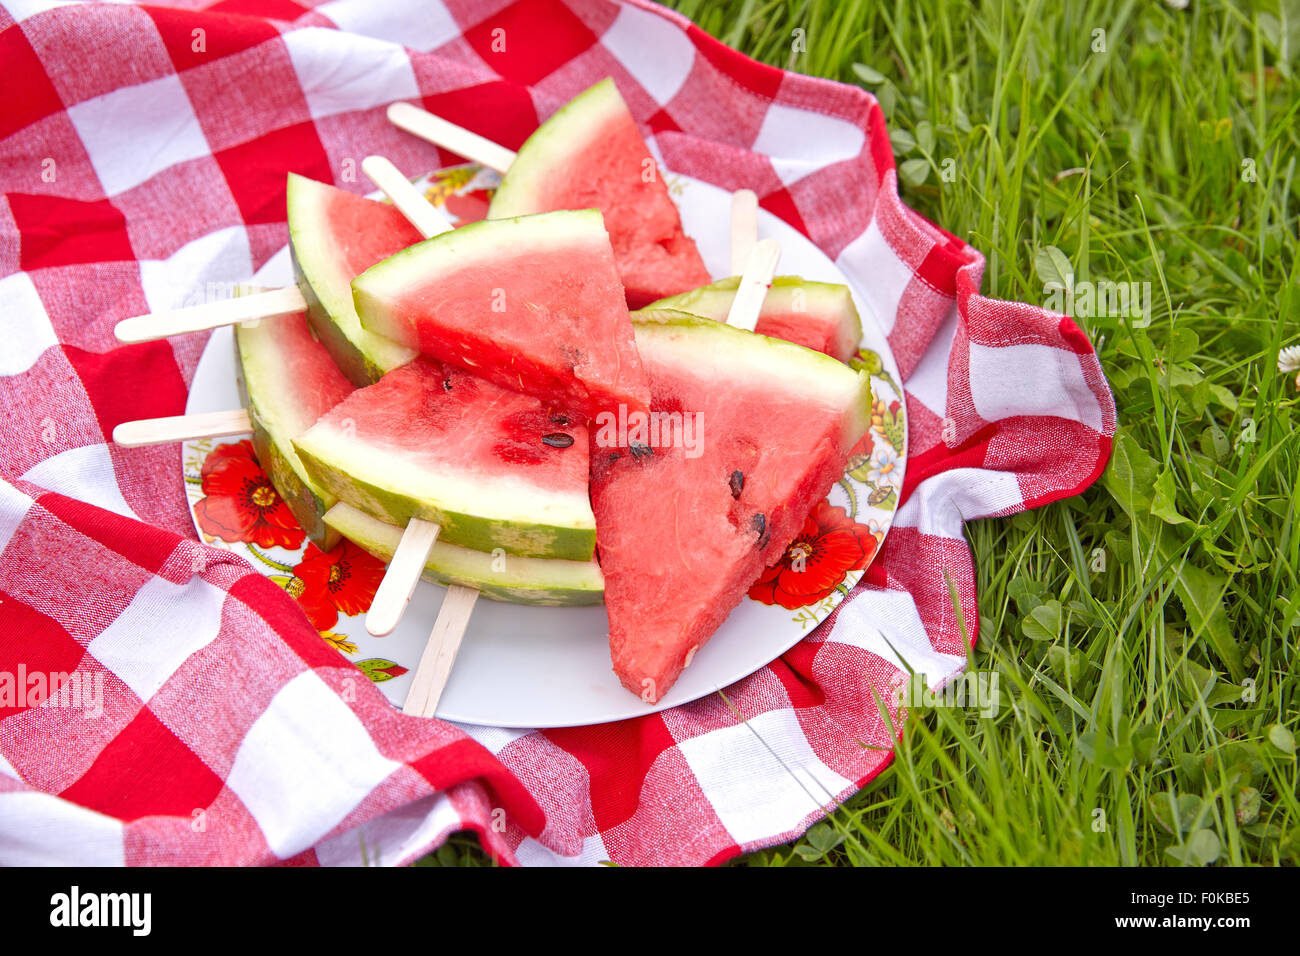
column 1288, row 360
column 883, row 463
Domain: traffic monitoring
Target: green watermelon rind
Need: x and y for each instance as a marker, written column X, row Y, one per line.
column 361, row 355
column 812, row 371
column 713, row 301
column 259, row 375
column 573, row 124
column 533, row 581
column 450, row 252
column 472, row 521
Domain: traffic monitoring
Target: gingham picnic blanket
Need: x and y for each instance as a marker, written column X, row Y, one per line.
column 143, row 152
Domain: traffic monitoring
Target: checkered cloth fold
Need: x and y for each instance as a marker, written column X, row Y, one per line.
column 143, row 151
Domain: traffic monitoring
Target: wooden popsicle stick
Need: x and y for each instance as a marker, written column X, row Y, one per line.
column 744, row 228
column 160, row 431
column 421, row 213
column 440, row 653
column 449, row 136
column 754, row 283
column 404, row 570
column 209, row 315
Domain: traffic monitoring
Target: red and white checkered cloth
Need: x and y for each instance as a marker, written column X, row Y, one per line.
column 143, row 152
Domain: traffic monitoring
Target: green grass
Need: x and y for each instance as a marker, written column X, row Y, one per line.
column 1144, row 633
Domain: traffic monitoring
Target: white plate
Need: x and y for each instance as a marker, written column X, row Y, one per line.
column 549, row 667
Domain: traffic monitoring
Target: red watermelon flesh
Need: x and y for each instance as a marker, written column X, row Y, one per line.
column 534, row 304
column 365, row 231
column 495, row 468
column 590, row 155
column 682, row 532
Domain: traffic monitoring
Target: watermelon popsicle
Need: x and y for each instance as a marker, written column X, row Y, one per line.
column 818, row 315
column 492, row 467
column 414, row 550
column 681, row 539
column 415, row 547
column 683, row 532
column 532, row 304
column 588, row 154
column 288, row 380
column 334, row 236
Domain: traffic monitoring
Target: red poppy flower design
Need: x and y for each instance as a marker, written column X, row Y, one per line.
column 342, row 579
column 241, row 504
column 830, row 545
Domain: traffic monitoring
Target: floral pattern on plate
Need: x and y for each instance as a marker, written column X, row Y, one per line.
column 236, row 507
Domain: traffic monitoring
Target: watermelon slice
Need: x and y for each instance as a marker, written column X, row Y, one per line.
column 335, row 236
column 495, row 468
column 683, row 530
column 817, row 315
column 288, row 380
column 533, row 304
column 590, row 154
column 500, row 577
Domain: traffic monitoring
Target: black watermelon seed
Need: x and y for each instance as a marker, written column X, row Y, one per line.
column 737, row 483
column 559, row 418
column 446, row 384
column 640, row 450
column 759, row 524
column 558, row 439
